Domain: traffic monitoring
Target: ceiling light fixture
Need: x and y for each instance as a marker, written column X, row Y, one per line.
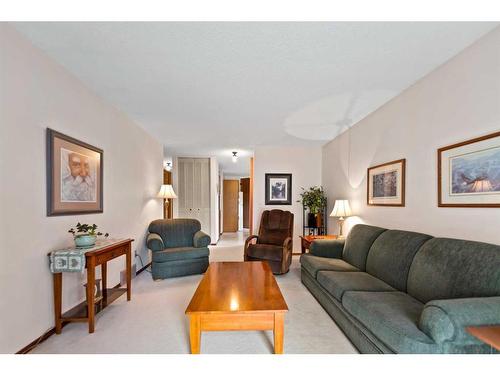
column 235, row 156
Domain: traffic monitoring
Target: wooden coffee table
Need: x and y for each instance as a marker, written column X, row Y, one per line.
column 237, row 296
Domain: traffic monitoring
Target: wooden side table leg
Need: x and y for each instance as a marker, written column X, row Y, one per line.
column 104, row 277
column 129, row 272
column 58, row 301
column 279, row 332
column 90, row 295
column 194, row 333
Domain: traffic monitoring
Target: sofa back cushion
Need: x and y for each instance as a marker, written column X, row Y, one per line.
column 275, row 227
column 175, row 232
column 358, row 243
column 446, row 268
column 391, row 255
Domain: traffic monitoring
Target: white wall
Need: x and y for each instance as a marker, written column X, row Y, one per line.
column 214, row 200
column 36, row 93
column 221, row 197
column 458, row 101
column 304, row 163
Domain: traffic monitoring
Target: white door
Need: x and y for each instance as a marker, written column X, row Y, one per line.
column 194, row 190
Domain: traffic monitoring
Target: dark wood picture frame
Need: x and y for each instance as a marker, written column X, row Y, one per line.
column 268, row 199
column 403, row 184
column 439, row 174
column 50, row 170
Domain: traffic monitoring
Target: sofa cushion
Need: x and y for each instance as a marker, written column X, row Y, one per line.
column 358, row 243
column 175, row 232
column 446, row 268
column 391, row 255
column 275, row 227
column 180, row 253
column 337, row 283
column 392, row 317
column 313, row 264
column 263, row 251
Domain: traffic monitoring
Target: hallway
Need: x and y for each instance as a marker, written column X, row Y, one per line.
column 229, row 247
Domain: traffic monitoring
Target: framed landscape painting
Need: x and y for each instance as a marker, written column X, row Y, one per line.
column 386, row 184
column 74, row 176
column 469, row 173
column 278, row 189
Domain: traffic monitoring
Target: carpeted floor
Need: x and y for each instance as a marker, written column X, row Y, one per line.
column 154, row 321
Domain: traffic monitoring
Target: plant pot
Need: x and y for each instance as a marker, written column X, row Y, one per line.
column 319, row 220
column 87, row 240
column 311, row 220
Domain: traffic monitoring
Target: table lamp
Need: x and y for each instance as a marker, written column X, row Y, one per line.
column 166, row 192
column 341, row 209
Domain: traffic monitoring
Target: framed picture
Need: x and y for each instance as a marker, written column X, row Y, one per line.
column 278, row 189
column 469, row 173
column 74, row 176
column 386, row 184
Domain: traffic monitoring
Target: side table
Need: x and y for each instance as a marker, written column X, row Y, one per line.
column 487, row 334
column 307, row 240
column 85, row 311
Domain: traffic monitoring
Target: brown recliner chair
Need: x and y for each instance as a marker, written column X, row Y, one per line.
column 274, row 242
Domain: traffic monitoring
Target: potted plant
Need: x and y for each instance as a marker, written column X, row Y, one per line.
column 315, row 200
column 85, row 235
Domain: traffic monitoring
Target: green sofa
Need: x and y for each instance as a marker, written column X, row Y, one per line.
column 393, row 291
column 179, row 248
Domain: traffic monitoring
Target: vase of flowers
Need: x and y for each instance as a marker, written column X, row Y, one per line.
column 85, row 235
column 315, row 200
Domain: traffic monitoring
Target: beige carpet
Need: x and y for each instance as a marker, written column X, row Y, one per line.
column 154, row 321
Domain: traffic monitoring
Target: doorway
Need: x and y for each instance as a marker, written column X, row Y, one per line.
column 167, row 206
column 230, row 205
column 245, row 190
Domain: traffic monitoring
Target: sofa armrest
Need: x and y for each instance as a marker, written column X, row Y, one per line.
column 446, row 320
column 201, row 239
column 327, row 248
column 247, row 243
column 288, row 243
column 154, row 242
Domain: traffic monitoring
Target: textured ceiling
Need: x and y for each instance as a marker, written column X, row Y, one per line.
column 210, row 88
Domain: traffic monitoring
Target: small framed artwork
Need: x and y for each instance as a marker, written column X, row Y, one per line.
column 74, row 176
column 469, row 173
column 278, row 189
column 386, row 184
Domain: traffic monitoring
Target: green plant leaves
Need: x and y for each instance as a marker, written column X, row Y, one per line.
column 82, row 229
column 314, row 198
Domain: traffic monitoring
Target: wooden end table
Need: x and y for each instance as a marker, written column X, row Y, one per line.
column 487, row 334
column 307, row 240
column 85, row 311
column 237, row 296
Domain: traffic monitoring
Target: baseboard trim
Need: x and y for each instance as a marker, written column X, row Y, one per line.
column 52, row 331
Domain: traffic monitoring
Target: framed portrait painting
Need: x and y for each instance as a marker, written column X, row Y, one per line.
column 278, row 189
column 386, row 184
column 74, row 176
column 469, row 173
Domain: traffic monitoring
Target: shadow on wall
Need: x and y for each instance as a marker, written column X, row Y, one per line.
column 327, row 117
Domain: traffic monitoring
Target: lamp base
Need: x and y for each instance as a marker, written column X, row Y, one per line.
column 341, row 224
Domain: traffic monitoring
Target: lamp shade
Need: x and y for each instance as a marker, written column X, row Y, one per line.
column 166, row 191
column 341, row 208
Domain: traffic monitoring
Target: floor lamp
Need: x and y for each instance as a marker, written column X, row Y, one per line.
column 166, row 192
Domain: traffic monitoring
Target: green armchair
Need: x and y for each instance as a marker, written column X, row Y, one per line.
column 179, row 248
